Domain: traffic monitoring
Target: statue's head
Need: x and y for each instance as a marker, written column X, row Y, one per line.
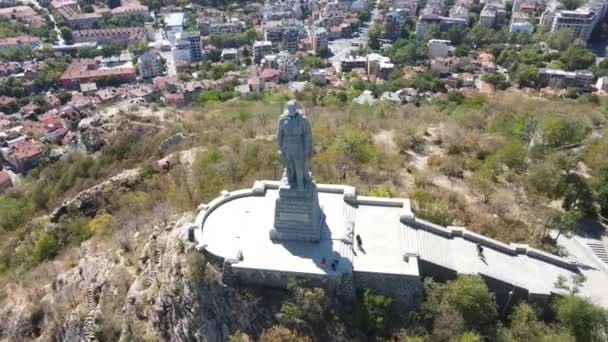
column 292, row 108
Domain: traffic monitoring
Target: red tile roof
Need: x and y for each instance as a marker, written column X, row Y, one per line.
column 87, row 68
column 25, row 149
column 5, row 179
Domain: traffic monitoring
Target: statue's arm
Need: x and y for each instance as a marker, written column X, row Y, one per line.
column 280, row 134
column 307, row 138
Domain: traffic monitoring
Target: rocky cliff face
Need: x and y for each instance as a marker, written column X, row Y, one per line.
column 144, row 285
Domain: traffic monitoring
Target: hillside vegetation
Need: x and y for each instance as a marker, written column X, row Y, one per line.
column 512, row 167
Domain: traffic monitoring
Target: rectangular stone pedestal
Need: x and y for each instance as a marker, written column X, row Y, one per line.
column 297, row 215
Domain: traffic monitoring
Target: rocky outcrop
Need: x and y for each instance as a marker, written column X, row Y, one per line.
column 87, row 200
column 152, row 286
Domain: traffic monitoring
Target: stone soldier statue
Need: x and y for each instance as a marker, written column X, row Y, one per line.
column 295, row 145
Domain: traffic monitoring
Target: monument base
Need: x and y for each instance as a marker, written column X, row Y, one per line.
column 297, row 215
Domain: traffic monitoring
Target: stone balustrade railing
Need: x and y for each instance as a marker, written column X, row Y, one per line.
column 513, row 249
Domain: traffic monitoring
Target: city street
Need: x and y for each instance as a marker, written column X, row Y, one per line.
column 343, row 47
column 60, row 40
column 161, row 43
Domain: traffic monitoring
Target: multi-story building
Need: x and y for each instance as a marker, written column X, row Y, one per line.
column 493, row 14
column 379, row 66
column 261, row 49
column 581, row 79
column 445, row 65
column 19, row 42
column 394, row 21
column 425, row 23
column 230, row 54
column 21, row 153
column 520, row 22
column 273, row 32
column 448, row 23
column 546, row 18
column 150, row 65
column 126, row 35
column 320, row 40
column 459, row 11
column 438, row 48
column 291, row 38
column 181, row 52
column 218, row 28
column 87, row 71
column 580, row 21
column 348, row 63
column 284, row 35
column 289, row 65
column 195, row 45
column 132, row 9
column 24, row 14
column 174, row 25
column 78, row 20
column 270, row 62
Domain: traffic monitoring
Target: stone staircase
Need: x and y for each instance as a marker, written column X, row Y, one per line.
column 155, row 260
column 89, row 321
column 599, row 250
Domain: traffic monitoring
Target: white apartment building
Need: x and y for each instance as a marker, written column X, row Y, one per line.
column 260, row 50
column 150, row 65
column 438, row 48
column 581, row 21
column 289, row 65
column 320, row 40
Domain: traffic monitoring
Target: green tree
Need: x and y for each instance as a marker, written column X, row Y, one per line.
column 560, row 39
column 66, row 33
column 571, row 4
column 373, row 37
column 75, row 227
column 546, row 178
column 527, row 75
column 469, row 336
column 562, row 130
column 525, row 326
column 512, row 154
column 470, row 296
column 602, row 193
column 45, row 247
column 566, row 223
column 374, row 310
column 577, row 57
column 585, row 320
column 496, row 79
column 579, row 196
column 279, row 333
column 14, row 211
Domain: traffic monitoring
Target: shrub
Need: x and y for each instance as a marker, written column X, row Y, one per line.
column 468, row 295
column 14, row 211
column 197, row 266
column 374, row 310
column 558, row 131
column 279, row 333
column 45, row 247
column 586, row 321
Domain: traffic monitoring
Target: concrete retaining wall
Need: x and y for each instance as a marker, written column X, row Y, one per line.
column 279, row 279
column 405, row 290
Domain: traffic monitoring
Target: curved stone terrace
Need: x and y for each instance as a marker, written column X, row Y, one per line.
column 235, row 226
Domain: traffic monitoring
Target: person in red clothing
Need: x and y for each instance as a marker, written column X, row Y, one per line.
column 323, row 262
